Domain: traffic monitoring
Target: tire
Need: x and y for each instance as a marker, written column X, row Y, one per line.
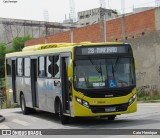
column 111, row 117
column 25, row 110
column 64, row 119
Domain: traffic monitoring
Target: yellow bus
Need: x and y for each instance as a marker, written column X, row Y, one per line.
column 73, row 79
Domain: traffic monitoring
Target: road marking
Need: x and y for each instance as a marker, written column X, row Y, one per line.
column 4, row 127
column 20, row 122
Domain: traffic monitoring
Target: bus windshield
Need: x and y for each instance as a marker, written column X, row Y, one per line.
column 104, row 73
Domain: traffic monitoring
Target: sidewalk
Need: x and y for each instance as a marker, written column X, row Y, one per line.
column 1, row 118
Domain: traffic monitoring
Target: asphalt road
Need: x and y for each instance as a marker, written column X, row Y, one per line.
column 147, row 117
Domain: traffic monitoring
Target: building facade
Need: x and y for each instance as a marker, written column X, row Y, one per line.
column 12, row 28
column 94, row 16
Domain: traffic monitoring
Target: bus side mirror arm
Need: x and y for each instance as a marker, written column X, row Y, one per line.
column 70, row 69
column 135, row 64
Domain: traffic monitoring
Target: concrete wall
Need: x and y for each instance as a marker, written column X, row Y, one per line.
column 147, row 54
column 157, row 19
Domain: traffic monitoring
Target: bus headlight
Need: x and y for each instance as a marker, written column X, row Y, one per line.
column 131, row 100
column 79, row 100
column 82, row 102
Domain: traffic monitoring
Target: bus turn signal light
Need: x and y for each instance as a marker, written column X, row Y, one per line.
column 82, row 102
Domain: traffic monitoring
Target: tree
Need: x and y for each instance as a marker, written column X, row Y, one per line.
column 2, row 59
column 18, row 43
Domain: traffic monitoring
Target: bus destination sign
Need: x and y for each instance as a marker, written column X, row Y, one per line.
column 103, row 50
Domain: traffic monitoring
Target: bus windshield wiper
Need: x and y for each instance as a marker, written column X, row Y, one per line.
column 116, row 64
column 101, row 71
column 98, row 68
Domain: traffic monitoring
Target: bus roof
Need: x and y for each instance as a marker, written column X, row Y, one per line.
column 54, row 47
column 60, row 45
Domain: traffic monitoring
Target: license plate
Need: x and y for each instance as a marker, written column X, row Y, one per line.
column 110, row 109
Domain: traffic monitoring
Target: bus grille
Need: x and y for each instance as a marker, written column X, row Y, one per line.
column 110, row 93
column 101, row 94
column 101, row 109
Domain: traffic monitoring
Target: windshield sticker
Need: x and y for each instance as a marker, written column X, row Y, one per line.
column 95, row 84
column 94, row 79
column 101, row 84
column 81, row 79
column 112, row 84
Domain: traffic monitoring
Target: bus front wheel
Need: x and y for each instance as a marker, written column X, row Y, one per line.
column 111, row 117
column 64, row 119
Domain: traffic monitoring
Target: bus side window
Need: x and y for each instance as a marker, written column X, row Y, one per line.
column 49, row 66
column 8, row 66
column 27, row 67
column 56, row 65
column 52, row 68
column 20, row 66
column 41, row 67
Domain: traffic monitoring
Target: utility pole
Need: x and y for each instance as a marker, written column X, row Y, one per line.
column 157, row 3
column 72, row 10
column 123, row 20
column 71, row 36
column 103, row 25
column 105, row 31
column 102, row 3
column 103, row 20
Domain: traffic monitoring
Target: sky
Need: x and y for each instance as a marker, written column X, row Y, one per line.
column 57, row 9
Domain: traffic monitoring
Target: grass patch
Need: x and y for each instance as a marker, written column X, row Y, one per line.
column 5, row 105
column 148, row 98
column 14, row 105
column 145, row 96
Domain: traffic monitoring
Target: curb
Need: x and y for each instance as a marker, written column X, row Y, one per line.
column 1, row 118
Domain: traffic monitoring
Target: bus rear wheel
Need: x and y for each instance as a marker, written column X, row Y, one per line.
column 25, row 110
column 64, row 119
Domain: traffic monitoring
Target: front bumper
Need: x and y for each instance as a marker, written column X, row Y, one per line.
column 99, row 110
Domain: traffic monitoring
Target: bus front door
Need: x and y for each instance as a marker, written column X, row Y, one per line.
column 14, row 80
column 65, row 85
column 34, row 82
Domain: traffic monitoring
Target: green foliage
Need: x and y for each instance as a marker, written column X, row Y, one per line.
column 2, row 84
column 140, row 94
column 18, row 43
column 2, row 51
column 9, row 50
column 2, row 59
column 5, row 105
